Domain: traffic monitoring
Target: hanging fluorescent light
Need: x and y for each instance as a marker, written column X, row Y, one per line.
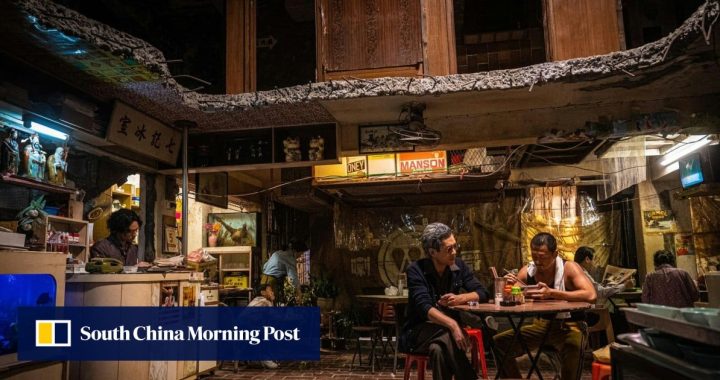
column 687, row 146
column 45, row 130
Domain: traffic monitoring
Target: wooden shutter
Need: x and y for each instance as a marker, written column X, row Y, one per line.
column 580, row 28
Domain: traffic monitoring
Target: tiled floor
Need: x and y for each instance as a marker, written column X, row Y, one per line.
column 336, row 365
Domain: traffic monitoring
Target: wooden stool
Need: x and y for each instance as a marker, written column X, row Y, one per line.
column 601, row 371
column 421, row 361
column 478, row 351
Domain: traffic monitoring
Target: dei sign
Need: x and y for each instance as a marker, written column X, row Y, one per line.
column 178, row 333
column 422, row 162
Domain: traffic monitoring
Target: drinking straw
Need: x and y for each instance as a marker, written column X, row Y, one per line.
column 494, row 272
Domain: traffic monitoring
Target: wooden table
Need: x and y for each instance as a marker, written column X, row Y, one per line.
column 629, row 297
column 398, row 303
column 529, row 309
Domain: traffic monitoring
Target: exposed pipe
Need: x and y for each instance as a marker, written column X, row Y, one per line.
column 185, row 125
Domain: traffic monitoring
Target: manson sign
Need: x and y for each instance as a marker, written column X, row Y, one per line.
column 422, row 162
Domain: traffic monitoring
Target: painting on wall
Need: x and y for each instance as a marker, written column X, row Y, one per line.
column 239, row 228
column 171, row 243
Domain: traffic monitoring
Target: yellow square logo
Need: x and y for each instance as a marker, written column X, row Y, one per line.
column 52, row 333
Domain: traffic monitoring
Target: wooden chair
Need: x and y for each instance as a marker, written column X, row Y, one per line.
column 604, row 324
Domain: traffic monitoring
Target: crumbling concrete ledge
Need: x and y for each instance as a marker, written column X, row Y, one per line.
column 73, row 23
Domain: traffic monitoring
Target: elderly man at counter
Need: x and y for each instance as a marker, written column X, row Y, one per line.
column 555, row 279
column 434, row 284
column 668, row 285
column 124, row 225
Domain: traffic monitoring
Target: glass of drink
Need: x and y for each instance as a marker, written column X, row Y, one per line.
column 499, row 286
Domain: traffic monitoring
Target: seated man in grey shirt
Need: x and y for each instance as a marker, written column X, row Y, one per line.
column 584, row 256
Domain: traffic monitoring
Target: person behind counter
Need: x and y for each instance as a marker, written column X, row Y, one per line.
column 282, row 264
column 668, row 285
column 124, row 225
column 434, row 283
column 556, row 279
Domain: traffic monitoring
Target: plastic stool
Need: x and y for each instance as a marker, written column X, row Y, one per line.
column 421, row 361
column 601, row 371
column 478, row 350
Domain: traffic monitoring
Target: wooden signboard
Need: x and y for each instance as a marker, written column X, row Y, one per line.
column 136, row 131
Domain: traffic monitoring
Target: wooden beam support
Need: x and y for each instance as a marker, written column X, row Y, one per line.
column 240, row 37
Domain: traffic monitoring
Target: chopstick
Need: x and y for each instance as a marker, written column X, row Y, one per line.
column 494, row 272
column 514, row 277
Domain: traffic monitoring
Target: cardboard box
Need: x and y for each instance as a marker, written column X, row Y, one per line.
column 12, row 239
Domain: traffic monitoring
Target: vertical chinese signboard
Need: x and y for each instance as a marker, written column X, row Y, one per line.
column 141, row 133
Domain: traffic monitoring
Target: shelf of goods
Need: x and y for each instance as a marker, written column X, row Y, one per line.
column 65, row 235
column 234, row 266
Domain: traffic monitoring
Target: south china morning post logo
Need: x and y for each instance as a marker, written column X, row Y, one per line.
column 147, row 333
column 53, row 333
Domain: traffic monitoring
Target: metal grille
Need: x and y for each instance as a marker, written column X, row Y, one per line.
column 475, row 161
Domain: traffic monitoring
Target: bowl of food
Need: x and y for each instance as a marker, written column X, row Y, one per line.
column 659, row 310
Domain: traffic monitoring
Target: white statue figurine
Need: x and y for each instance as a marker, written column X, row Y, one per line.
column 57, row 166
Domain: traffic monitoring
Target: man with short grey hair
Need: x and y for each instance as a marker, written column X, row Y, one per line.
column 435, row 283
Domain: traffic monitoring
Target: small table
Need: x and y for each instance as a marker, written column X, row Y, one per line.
column 528, row 309
column 630, row 298
column 398, row 303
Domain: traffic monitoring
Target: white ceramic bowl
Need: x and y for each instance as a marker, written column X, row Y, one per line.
column 660, row 310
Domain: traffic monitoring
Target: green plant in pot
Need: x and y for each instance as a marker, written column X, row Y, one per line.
column 325, row 291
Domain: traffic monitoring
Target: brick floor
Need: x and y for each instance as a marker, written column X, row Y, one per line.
column 336, row 365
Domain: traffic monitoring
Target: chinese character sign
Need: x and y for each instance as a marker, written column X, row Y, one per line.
column 141, row 133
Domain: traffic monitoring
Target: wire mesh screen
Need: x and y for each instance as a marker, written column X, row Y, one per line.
column 476, row 161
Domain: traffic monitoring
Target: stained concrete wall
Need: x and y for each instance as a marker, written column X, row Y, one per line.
column 657, row 195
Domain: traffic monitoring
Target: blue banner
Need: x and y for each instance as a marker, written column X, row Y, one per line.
column 172, row 333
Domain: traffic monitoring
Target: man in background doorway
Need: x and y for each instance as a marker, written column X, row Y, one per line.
column 281, row 265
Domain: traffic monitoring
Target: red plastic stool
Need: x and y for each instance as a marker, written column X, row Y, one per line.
column 601, row 371
column 478, row 350
column 421, row 361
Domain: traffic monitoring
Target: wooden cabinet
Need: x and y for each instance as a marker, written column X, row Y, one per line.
column 61, row 234
column 128, row 290
column 266, row 148
column 234, row 266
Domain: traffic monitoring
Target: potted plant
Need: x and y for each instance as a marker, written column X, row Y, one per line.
column 325, row 291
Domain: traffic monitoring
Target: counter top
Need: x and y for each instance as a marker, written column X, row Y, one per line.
column 132, row 277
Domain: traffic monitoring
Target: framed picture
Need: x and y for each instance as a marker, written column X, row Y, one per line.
column 238, row 228
column 212, row 189
column 381, row 138
column 170, row 241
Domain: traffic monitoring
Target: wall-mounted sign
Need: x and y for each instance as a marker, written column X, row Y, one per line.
column 422, row 162
column 355, row 166
column 141, row 133
column 381, row 165
column 661, row 221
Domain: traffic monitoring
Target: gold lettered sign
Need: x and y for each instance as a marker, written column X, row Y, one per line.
column 141, row 133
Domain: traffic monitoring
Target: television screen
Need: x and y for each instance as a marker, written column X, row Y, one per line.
column 691, row 171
